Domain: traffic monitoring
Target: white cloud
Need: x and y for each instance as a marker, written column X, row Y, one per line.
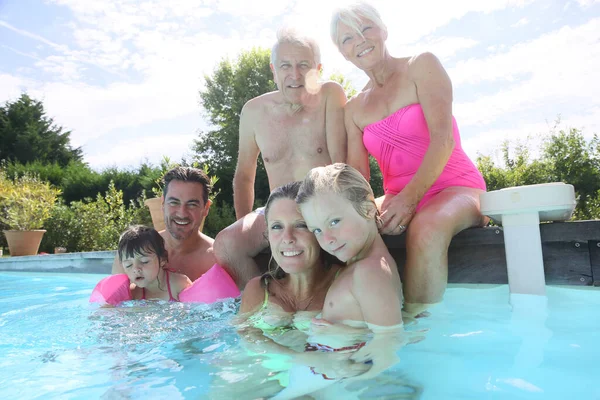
column 155, row 54
column 30, row 35
column 132, row 152
column 11, row 87
column 587, row 3
column 548, row 72
column 521, row 22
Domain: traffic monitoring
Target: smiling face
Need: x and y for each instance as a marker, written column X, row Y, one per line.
column 293, row 246
column 184, row 208
column 295, row 71
column 363, row 48
column 142, row 268
column 340, row 230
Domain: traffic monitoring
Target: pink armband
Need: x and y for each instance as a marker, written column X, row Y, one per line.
column 112, row 290
column 215, row 284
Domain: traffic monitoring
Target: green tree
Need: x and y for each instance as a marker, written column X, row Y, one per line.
column 345, row 83
column 226, row 91
column 27, row 135
column 573, row 160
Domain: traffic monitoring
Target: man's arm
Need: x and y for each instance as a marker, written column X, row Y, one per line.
column 334, row 122
column 245, row 171
column 357, row 153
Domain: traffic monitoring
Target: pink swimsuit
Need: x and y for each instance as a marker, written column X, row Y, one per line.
column 399, row 142
column 171, row 298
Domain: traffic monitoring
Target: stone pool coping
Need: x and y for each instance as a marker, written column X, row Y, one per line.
column 92, row 262
column 571, row 253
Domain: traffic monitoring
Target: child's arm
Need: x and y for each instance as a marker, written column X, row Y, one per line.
column 376, row 291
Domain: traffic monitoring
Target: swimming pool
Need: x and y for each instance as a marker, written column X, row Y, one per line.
column 53, row 344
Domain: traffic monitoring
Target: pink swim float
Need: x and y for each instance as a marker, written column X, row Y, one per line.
column 214, row 285
column 111, row 290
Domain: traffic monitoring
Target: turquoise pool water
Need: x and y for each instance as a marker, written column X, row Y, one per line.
column 53, row 344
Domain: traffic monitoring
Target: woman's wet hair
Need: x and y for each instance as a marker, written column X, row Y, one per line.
column 287, row 191
column 343, row 180
column 351, row 16
column 138, row 239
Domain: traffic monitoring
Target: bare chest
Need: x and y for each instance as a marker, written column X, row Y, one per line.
column 193, row 264
column 340, row 304
column 292, row 138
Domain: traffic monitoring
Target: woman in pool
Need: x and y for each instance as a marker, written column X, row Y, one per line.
column 360, row 329
column 302, row 276
column 403, row 117
column 143, row 256
column 277, row 308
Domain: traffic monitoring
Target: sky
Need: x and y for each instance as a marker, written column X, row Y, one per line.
column 124, row 75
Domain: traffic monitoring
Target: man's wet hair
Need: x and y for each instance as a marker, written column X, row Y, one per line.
column 292, row 36
column 188, row 174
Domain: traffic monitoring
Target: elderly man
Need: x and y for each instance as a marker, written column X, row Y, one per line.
column 295, row 128
column 185, row 204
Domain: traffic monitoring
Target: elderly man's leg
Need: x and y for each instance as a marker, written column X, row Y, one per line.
column 427, row 239
column 236, row 246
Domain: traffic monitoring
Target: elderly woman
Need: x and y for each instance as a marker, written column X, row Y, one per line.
column 403, row 118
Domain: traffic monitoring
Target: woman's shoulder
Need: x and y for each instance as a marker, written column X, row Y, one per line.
column 355, row 103
column 253, row 294
column 422, row 62
column 424, row 57
column 256, row 283
column 255, row 288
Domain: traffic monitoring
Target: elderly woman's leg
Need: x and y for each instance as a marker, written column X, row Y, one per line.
column 427, row 239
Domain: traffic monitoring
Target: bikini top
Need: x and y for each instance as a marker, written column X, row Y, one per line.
column 261, row 318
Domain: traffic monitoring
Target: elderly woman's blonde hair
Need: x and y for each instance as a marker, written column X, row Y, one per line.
column 351, row 16
column 293, row 36
column 343, row 180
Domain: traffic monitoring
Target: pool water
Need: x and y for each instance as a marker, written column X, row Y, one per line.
column 54, row 344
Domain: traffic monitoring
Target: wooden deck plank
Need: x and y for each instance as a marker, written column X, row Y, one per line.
column 476, row 255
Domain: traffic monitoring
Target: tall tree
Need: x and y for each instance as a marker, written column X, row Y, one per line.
column 576, row 161
column 566, row 157
column 226, row 91
column 27, row 135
